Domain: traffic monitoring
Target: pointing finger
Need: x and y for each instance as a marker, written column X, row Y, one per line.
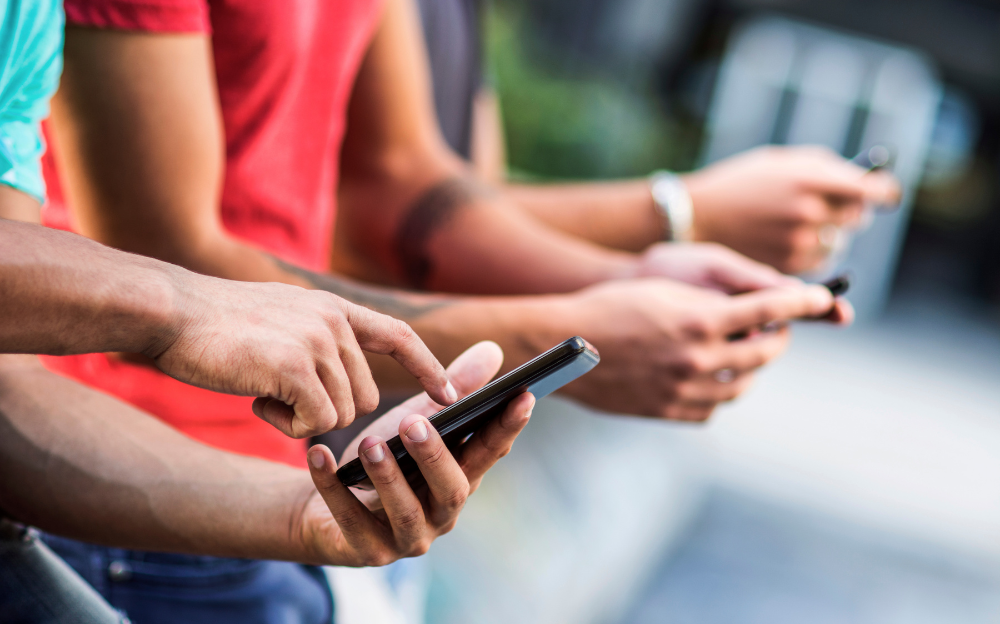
column 378, row 333
column 761, row 307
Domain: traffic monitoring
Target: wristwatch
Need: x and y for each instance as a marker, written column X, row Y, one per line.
column 672, row 203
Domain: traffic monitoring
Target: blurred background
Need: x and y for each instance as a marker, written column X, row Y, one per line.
column 859, row 481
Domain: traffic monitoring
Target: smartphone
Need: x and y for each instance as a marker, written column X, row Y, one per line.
column 838, row 285
column 541, row 376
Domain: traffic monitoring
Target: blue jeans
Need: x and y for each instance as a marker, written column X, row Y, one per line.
column 36, row 587
column 159, row 588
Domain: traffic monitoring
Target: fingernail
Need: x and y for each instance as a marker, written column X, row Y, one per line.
column 417, row 431
column 317, row 460
column 509, row 416
column 375, row 454
column 450, row 393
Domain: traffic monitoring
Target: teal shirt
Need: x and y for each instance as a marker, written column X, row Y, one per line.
column 31, row 41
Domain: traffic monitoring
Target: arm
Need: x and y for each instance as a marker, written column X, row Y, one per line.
column 298, row 350
column 488, row 146
column 769, row 204
column 141, row 179
column 78, row 463
column 411, row 213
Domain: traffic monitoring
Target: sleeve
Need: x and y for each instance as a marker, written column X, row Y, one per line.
column 31, row 50
column 161, row 16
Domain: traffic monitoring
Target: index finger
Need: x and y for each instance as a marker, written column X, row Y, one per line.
column 761, row 307
column 378, row 333
column 471, row 370
column 845, row 179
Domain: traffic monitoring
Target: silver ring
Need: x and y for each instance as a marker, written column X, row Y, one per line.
column 725, row 375
column 829, row 237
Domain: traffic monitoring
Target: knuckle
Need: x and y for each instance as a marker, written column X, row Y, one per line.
column 697, row 328
column 367, row 401
column 349, row 520
column 690, row 364
column 298, row 364
column 683, row 391
column 494, row 445
column 436, row 456
column 308, row 431
column 344, row 420
column 383, row 476
column 670, row 412
column 399, row 333
column 454, row 500
column 377, row 558
column 420, row 547
column 345, row 414
column 408, row 519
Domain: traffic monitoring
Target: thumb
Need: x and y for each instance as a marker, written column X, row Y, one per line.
column 476, row 366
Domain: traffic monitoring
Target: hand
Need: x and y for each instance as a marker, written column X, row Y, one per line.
column 396, row 520
column 668, row 349
column 710, row 265
column 785, row 206
column 299, row 350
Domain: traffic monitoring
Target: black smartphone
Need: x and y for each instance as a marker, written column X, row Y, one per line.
column 838, row 285
column 541, row 376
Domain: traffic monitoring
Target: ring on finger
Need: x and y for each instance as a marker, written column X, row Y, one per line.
column 725, row 375
column 828, row 236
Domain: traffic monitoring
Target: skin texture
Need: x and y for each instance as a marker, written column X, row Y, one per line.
column 300, row 351
column 137, row 129
column 79, row 463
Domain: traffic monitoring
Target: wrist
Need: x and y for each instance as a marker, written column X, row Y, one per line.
column 166, row 307
column 306, row 543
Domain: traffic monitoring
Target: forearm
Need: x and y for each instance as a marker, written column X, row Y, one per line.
column 158, row 490
column 61, row 293
column 450, row 233
column 619, row 215
column 522, row 326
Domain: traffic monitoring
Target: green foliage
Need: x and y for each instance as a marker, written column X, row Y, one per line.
column 589, row 126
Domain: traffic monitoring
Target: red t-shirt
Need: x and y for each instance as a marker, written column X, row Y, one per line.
column 285, row 69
